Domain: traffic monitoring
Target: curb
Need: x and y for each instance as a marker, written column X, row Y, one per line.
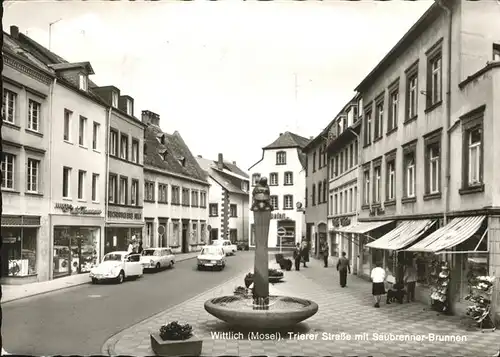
column 65, row 287
column 108, row 349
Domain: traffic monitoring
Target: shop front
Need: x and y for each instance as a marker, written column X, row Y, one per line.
column 289, row 239
column 124, row 225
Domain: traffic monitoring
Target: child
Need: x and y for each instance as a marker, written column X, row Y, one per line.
column 397, row 293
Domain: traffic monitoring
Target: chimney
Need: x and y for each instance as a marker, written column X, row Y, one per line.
column 220, row 162
column 14, row 31
column 149, row 117
column 234, row 162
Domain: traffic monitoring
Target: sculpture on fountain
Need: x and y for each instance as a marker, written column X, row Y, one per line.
column 261, row 310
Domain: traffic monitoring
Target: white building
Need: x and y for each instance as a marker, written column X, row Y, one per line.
column 228, row 199
column 283, row 163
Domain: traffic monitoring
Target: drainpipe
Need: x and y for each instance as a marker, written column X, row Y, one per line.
column 106, row 175
column 357, row 267
column 51, row 140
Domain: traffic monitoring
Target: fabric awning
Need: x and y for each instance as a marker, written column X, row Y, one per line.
column 403, row 235
column 363, row 227
column 457, row 231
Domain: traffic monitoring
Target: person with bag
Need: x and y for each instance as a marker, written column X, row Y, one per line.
column 378, row 276
column 297, row 255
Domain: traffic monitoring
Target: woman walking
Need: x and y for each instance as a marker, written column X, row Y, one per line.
column 378, row 288
column 305, row 253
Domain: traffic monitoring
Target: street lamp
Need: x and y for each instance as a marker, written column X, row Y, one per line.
column 50, row 32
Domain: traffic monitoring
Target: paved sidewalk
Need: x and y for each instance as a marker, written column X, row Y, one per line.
column 16, row 292
column 342, row 314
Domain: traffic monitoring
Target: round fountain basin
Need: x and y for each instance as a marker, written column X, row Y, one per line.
column 282, row 312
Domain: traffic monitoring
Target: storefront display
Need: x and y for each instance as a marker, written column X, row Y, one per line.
column 365, row 257
column 119, row 238
column 76, row 250
column 479, row 311
column 440, row 283
column 19, row 248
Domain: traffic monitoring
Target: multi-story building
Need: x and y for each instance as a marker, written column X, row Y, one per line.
column 175, row 191
column 27, row 96
column 76, row 154
column 124, row 171
column 429, row 113
column 283, row 163
column 228, row 199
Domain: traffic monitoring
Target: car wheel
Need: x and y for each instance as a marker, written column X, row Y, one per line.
column 171, row 265
column 158, row 266
column 121, row 277
column 94, row 281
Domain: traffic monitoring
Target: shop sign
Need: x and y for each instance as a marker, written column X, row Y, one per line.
column 280, row 216
column 124, row 215
column 68, row 208
column 299, row 206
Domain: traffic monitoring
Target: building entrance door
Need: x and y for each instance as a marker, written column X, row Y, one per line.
column 185, row 238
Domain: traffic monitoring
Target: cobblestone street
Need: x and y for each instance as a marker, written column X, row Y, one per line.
column 342, row 314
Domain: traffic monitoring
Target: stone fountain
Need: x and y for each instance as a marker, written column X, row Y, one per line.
column 261, row 311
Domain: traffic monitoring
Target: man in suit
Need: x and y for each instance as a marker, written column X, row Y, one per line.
column 297, row 254
column 343, row 266
column 324, row 252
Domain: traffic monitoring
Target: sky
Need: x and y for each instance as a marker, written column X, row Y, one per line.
column 229, row 76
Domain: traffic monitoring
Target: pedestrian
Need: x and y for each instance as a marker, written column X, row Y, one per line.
column 378, row 277
column 410, row 279
column 343, row 266
column 305, row 252
column 139, row 250
column 324, row 251
column 130, row 247
column 297, row 254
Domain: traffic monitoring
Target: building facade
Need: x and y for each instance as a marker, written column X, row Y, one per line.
column 429, row 109
column 283, row 164
column 124, row 171
column 175, row 191
column 228, row 199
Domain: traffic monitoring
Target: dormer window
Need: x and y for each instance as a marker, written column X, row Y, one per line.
column 496, row 52
column 164, row 154
column 161, row 138
column 114, row 99
column 83, row 82
column 182, row 161
column 129, row 107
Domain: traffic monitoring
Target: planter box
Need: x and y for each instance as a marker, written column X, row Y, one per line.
column 189, row 347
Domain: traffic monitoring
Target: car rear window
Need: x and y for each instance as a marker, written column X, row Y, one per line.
column 148, row 252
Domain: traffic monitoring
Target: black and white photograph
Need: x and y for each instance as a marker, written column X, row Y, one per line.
column 250, row 178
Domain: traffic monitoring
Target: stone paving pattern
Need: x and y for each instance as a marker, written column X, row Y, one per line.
column 341, row 310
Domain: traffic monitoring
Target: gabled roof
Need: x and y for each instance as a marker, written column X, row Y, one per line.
column 218, row 176
column 288, row 140
column 16, row 49
column 176, row 150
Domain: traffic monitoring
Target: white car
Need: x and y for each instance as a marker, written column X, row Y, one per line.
column 157, row 258
column 211, row 257
column 228, row 247
column 117, row 266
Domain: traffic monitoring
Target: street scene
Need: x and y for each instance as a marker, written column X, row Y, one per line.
column 250, row 178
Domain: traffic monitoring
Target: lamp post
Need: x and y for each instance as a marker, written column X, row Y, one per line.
column 50, row 33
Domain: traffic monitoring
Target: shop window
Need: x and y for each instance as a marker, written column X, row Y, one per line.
column 19, row 248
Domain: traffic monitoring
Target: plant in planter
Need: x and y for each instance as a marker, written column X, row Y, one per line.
column 241, row 291
column 175, row 339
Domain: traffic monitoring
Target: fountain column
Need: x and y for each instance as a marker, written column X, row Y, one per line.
column 261, row 207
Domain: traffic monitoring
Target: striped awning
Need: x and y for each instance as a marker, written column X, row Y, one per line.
column 457, row 231
column 403, row 235
column 363, row 227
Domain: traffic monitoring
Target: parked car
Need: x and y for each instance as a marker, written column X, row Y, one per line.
column 117, row 266
column 157, row 258
column 228, row 247
column 242, row 245
column 211, row 257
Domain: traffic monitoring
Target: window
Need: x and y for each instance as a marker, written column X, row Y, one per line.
column 233, row 210
column 203, row 199
column 124, row 147
column 330, row 205
column 9, row 106
column 350, row 200
column 496, row 52
column 176, row 195
column 123, row 190
column 20, row 250
column 244, row 186
column 113, row 189
column 320, row 191
column 288, row 202
column 273, row 179
column 325, row 187
column 95, row 135
column 288, row 178
column 66, row 187
column 162, row 193
column 185, row 196
column 392, row 122
column 341, row 205
column 81, row 184
column 307, row 166
column 336, row 165
column 474, row 156
column 412, row 94
column 67, row 124
column 8, row 167
column 194, row 198
column 351, row 155
column 281, row 158
column 149, row 191
column 391, row 179
column 95, row 187
column 346, row 161
column 255, row 179
column 32, row 175
column 355, row 199
column 114, row 99
column 376, row 184
column 306, row 198
column 274, row 202
column 409, row 180
column 379, row 120
column 135, row 151
column 366, row 184
column 129, row 107
column 356, row 152
column 314, row 161
column 82, row 137
column 320, row 155
column 368, row 127
column 83, row 82
column 432, row 163
column 313, row 195
column 434, row 78
column 134, row 194
column 213, row 209
column 336, row 207
column 34, row 113
column 341, row 163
